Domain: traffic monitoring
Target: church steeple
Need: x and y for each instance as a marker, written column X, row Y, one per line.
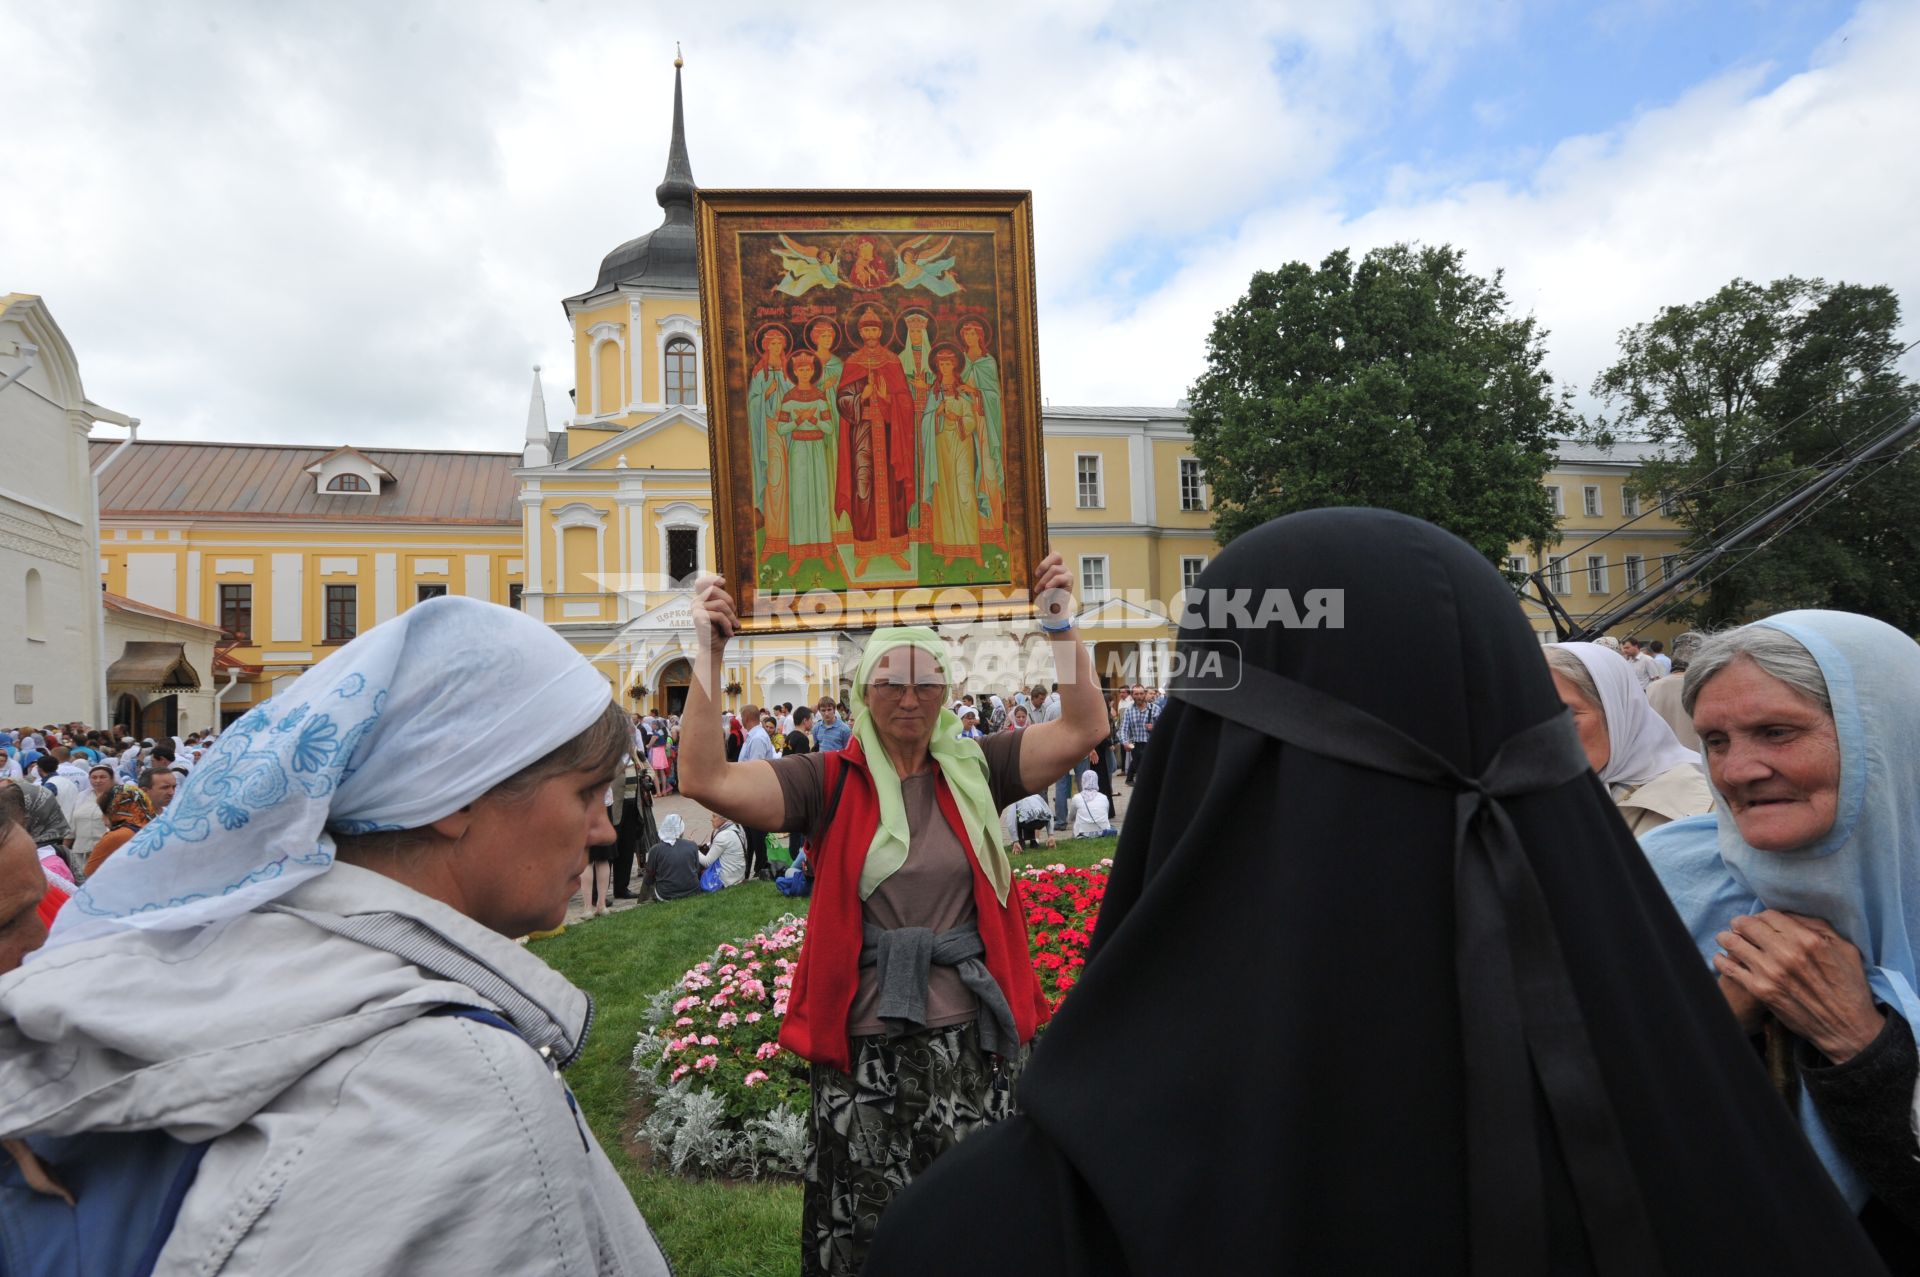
column 675, row 191
column 663, row 258
column 536, row 451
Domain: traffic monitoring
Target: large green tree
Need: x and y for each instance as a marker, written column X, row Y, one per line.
column 1399, row 381
column 1749, row 393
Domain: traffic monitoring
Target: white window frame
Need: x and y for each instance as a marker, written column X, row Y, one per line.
column 1099, row 501
column 1557, row 573
column 1636, row 571
column 1668, row 562
column 1629, row 502
column 1185, row 561
column 1559, row 502
column 1093, row 594
column 1590, row 497
column 1517, row 564
column 1191, row 466
column 1597, row 574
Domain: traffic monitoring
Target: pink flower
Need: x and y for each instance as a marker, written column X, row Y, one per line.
column 684, row 1022
column 755, row 1078
column 753, row 1017
column 709, row 1040
column 728, row 1019
column 767, row 1050
column 679, row 1073
column 685, row 1004
column 706, row 1062
column 718, row 1000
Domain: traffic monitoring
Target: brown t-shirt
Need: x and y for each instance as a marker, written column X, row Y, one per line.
column 933, row 889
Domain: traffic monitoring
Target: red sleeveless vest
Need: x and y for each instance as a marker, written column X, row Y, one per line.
column 828, row 973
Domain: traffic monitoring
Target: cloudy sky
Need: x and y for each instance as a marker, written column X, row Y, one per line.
column 353, row 221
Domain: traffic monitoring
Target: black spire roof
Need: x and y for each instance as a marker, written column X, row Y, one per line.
column 662, row 258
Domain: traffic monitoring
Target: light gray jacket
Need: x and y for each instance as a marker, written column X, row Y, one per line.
column 353, row 1132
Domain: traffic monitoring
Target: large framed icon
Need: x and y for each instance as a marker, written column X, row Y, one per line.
column 873, row 397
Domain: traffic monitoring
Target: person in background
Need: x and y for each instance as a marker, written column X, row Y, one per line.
column 90, row 817
column 1657, row 650
column 45, row 825
column 1651, row 777
column 832, row 732
column 1664, row 693
column 1136, row 725
column 633, row 827
column 1644, row 670
column 1027, row 820
column 1092, row 814
column 732, row 846
column 128, row 811
column 159, row 784
column 758, row 747
column 674, row 864
column 1046, row 709
column 970, row 724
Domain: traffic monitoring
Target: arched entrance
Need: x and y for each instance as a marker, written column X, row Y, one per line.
column 670, row 688
column 126, row 713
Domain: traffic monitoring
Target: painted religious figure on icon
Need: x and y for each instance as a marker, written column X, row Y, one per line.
column 875, row 407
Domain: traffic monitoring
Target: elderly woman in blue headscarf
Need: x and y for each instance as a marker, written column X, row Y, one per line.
column 915, row 995
column 1802, row 887
column 306, row 966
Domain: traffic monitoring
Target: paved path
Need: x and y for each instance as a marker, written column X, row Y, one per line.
column 700, row 824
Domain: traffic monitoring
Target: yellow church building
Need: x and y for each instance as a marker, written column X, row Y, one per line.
column 598, row 524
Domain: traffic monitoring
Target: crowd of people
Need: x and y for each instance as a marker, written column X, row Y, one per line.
column 1462, row 955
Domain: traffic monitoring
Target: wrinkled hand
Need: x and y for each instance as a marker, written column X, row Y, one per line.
column 1053, row 590
column 1807, row 975
column 714, row 620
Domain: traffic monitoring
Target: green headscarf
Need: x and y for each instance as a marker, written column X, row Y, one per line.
column 960, row 761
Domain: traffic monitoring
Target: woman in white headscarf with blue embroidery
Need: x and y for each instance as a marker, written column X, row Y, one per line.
column 305, row 969
column 1802, row 887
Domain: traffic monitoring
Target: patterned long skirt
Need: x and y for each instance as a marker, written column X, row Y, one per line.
column 908, row 1100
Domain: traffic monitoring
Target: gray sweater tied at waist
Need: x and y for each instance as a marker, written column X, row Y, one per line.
column 905, row 956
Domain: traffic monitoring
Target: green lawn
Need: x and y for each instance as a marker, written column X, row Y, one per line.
column 709, row 1228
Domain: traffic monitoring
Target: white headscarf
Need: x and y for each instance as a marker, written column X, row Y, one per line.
column 1643, row 745
column 671, row 827
column 410, row 722
column 1089, row 780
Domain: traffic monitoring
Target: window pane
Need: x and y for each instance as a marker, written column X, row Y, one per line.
column 1191, row 566
column 425, row 592
column 681, row 372
column 1593, row 500
column 1596, row 574
column 1088, row 470
column 1192, row 494
column 514, row 591
column 343, row 613
column 683, row 554
column 1633, row 571
column 236, row 610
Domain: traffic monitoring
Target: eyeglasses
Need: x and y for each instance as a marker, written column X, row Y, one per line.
column 895, row 691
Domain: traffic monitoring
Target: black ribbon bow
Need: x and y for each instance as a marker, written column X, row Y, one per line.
column 1520, row 1021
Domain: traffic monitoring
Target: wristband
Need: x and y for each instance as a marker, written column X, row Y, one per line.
column 1061, row 628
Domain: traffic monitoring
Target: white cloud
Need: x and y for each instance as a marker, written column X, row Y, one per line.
column 1813, row 177
column 355, row 222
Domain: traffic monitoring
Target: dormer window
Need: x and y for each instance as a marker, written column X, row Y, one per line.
column 348, row 472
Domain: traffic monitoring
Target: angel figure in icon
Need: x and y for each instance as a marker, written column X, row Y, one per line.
column 806, row 267
column 919, row 265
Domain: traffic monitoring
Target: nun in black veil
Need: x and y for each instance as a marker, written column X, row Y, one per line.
column 1381, row 983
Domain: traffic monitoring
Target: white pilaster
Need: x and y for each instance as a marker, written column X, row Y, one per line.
column 289, row 577
column 192, row 608
column 386, row 587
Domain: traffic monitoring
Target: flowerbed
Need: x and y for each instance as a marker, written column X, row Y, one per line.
column 727, row 1100
column 1062, row 904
